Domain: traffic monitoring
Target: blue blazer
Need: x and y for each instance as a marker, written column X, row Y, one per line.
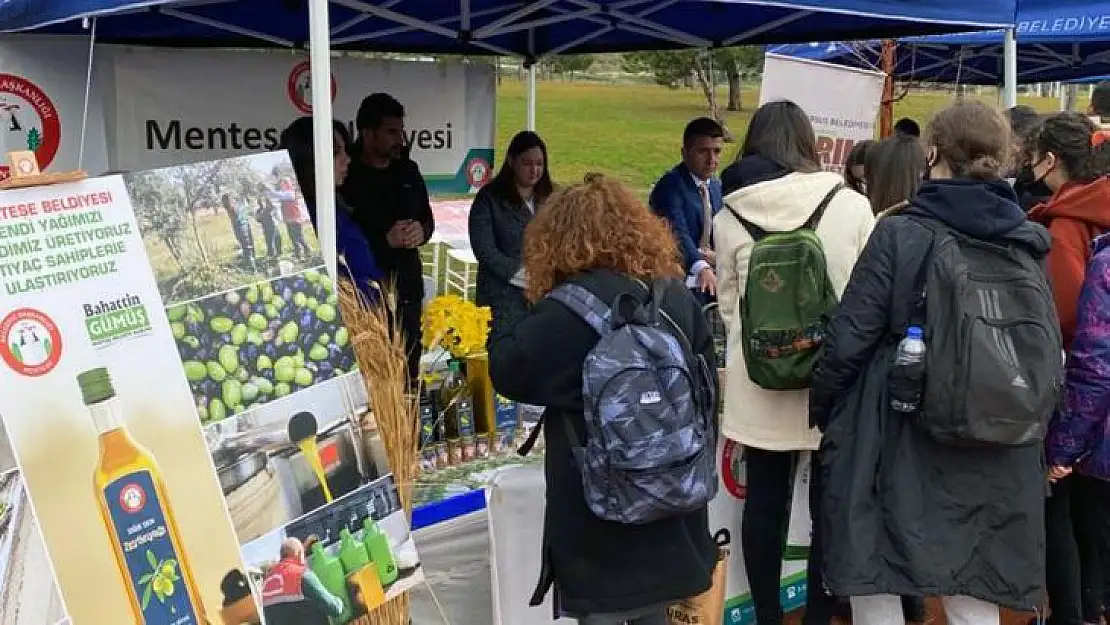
column 676, row 198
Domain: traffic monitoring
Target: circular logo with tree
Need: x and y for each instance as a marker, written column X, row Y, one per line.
column 28, row 121
column 32, row 343
column 732, row 469
column 299, row 87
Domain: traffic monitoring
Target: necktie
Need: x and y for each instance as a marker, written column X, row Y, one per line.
column 707, row 216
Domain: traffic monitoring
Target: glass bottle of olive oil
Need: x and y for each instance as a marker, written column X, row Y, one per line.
column 138, row 517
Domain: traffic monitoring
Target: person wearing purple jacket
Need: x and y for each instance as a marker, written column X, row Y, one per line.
column 1079, row 434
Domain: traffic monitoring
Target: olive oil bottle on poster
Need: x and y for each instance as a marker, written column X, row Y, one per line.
column 100, row 418
column 138, row 516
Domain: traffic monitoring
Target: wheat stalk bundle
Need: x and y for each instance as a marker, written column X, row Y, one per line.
column 379, row 347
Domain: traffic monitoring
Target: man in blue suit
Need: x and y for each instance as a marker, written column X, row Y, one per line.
column 688, row 197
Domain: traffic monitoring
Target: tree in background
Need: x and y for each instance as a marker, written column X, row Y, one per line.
column 567, row 64
column 677, row 68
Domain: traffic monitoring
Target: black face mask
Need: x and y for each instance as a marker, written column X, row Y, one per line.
column 1027, row 183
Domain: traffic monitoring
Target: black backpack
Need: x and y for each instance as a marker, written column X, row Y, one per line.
column 993, row 366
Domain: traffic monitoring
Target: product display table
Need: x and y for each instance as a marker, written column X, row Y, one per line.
column 456, row 491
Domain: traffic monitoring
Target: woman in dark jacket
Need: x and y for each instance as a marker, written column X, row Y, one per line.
column 357, row 260
column 501, row 211
column 913, row 516
column 599, row 236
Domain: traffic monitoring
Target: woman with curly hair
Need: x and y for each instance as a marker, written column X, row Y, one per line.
column 599, row 236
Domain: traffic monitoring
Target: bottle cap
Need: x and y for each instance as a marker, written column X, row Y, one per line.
column 914, row 332
column 96, row 386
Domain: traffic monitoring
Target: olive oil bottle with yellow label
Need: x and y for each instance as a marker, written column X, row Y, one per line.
column 138, row 517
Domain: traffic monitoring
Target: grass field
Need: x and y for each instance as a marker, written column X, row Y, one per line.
column 634, row 131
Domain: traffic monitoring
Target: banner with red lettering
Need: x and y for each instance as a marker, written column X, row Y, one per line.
column 842, row 102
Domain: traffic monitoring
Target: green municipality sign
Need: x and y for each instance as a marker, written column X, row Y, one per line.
column 110, row 321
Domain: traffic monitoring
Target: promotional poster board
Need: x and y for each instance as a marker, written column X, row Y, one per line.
column 726, row 511
column 184, row 409
column 842, row 102
column 42, row 93
column 179, row 106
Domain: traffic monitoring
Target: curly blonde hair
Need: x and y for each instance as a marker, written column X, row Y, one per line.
column 598, row 224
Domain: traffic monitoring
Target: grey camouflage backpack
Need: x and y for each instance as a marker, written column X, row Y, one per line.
column 651, row 440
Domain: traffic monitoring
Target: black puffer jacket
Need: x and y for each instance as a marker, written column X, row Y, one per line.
column 913, row 516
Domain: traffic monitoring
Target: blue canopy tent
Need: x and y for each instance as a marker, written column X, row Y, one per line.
column 532, row 29
column 529, row 29
column 1056, row 40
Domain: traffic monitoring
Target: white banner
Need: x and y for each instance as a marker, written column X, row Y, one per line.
column 42, row 93
column 842, row 102
column 181, row 106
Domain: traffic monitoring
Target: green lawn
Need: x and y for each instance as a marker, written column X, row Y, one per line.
column 633, row 131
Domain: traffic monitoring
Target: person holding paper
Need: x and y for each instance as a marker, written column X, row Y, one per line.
column 498, row 217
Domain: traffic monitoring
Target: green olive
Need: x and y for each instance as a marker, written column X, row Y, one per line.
column 216, row 410
column 257, row 322
column 232, row 392
column 326, row 313
column 221, row 324
column 195, row 371
column 229, row 360
column 303, row 377
column 216, row 371
column 318, row 352
column 238, row 334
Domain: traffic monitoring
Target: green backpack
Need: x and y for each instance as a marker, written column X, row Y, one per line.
column 785, row 301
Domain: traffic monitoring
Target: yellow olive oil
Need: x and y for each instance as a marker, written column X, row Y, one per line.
column 138, row 517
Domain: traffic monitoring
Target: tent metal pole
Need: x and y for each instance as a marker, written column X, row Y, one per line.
column 531, row 99
column 88, row 94
column 320, row 59
column 1009, row 70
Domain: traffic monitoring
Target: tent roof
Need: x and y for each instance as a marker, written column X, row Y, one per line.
column 529, row 28
column 1057, row 40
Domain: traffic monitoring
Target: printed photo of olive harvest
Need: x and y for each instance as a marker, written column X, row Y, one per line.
column 249, row 346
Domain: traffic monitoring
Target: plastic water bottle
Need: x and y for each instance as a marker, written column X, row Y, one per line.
column 911, row 351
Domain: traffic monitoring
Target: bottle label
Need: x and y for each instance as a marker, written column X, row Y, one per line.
column 152, row 559
column 464, row 411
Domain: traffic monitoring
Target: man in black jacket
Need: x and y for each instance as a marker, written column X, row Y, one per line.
column 391, row 205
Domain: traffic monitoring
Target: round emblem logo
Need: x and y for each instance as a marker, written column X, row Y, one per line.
column 132, row 498
column 732, row 469
column 32, row 343
column 28, row 121
column 299, row 87
column 478, row 172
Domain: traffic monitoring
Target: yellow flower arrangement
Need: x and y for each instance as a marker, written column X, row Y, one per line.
column 456, row 325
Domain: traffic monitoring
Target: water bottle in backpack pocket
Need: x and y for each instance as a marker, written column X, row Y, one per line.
column 650, row 447
column 907, row 377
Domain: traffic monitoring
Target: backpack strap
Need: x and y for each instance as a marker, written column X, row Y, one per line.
column 758, row 234
column 815, row 218
column 755, row 232
column 584, row 304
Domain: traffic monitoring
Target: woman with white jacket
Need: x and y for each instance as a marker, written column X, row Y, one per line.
column 777, row 185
